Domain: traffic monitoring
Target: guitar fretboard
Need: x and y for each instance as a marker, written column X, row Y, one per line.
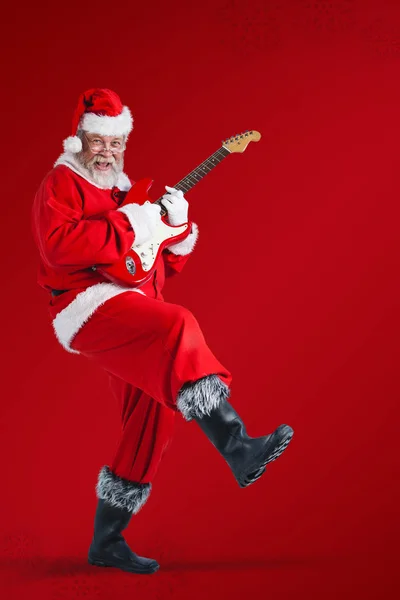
column 199, row 172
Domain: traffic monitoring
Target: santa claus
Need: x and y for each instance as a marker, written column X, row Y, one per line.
column 153, row 351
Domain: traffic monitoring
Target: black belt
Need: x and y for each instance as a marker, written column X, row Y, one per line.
column 58, row 292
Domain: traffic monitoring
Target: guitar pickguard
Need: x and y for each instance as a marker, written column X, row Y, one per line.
column 148, row 251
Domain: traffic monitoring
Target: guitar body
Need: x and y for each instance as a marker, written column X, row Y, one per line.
column 137, row 266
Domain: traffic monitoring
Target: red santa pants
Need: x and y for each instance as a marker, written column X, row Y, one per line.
column 150, row 348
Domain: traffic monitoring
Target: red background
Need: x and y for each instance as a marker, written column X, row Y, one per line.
column 294, row 281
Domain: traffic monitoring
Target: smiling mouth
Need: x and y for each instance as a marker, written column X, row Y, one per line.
column 103, row 166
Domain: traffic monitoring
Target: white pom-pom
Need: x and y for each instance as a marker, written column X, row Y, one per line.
column 72, row 144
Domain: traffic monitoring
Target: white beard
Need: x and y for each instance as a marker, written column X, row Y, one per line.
column 104, row 180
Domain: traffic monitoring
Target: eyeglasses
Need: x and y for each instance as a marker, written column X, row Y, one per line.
column 97, row 146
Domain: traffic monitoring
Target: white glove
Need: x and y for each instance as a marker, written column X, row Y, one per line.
column 176, row 206
column 143, row 218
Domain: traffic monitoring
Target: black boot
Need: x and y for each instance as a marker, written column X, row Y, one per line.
column 246, row 456
column 108, row 547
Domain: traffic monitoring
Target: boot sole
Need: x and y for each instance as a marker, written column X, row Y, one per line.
column 257, row 468
column 97, row 562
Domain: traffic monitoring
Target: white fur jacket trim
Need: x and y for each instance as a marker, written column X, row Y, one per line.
column 186, row 246
column 138, row 222
column 70, row 320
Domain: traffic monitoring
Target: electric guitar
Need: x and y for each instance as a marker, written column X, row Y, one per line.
column 137, row 266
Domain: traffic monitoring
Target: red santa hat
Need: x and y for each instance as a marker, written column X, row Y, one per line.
column 99, row 111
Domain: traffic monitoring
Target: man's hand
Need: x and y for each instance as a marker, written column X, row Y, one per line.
column 143, row 218
column 176, row 206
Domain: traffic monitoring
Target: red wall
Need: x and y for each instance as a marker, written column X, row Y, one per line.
column 294, row 281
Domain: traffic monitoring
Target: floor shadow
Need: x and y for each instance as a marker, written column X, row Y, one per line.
column 39, row 567
column 245, row 564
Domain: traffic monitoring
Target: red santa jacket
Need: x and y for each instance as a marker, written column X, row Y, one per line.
column 76, row 225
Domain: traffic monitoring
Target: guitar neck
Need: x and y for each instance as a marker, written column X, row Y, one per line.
column 199, row 172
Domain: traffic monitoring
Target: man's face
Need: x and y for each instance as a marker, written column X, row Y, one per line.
column 103, row 157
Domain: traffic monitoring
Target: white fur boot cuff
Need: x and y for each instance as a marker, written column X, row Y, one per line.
column 120, row 492
column 199, row 398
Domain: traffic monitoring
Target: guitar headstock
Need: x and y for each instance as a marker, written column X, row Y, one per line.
column 240, row 141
